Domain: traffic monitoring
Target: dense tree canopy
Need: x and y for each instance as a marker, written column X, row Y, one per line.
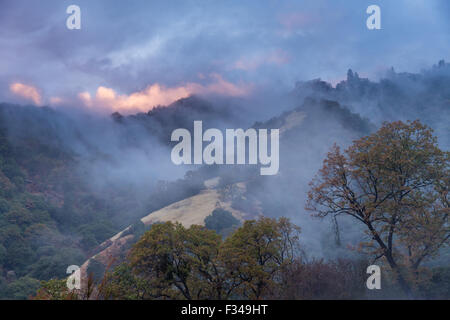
column 171, row 261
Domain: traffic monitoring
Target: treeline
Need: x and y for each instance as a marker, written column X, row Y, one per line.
column 50, row 217
column 260, row 260
column 394, row 183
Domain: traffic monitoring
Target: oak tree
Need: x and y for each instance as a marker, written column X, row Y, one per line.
column 257, row 252
column 395, row 182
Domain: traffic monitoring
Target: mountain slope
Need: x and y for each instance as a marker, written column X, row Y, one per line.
column 189, row 211
column 229, row 189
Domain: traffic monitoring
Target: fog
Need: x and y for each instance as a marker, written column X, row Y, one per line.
column 115, row 154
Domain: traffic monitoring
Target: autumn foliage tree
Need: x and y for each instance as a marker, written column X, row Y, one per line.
column 174, row 262
column 395, row 182
column 257, row 253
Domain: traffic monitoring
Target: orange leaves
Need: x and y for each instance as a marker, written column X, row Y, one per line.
column 396, row 182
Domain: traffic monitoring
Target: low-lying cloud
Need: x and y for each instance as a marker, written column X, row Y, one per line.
column 26, row 92
column 156, row 94
column 109, row 100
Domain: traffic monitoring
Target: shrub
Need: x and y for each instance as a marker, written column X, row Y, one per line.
column 221, row 221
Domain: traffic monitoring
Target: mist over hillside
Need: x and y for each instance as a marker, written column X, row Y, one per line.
column 396, row 96
column 71, row 179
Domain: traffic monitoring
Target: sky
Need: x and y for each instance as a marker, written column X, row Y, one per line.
column 129, row 56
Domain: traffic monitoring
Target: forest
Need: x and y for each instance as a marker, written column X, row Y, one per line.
column 394, row 181
column 361, row 182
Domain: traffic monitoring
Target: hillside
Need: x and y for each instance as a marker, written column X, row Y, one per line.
column 52, row 213
column 189, row 211
column 230, row 189
column 76, row 186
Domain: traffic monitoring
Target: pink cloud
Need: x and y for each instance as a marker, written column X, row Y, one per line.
column 220, row 86
column 27, row 92
column 108, row 100
column 153, row 95
column 56, row 100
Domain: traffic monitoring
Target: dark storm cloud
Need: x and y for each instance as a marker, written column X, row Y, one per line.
column 130, row 45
